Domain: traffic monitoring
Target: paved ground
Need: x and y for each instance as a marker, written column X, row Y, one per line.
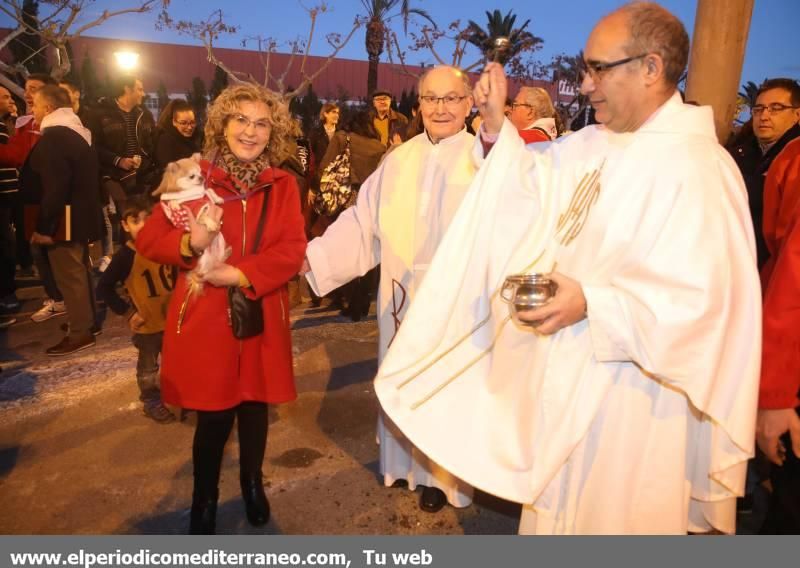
column 78, row 457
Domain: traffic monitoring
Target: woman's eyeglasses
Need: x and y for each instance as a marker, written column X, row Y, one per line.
column 241, row 122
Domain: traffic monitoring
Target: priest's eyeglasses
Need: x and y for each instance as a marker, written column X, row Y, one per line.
column 773, row 108
column 448, row 100
column 596, row 69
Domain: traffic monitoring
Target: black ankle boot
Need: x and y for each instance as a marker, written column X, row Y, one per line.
column 203, row 519
column 255, row 500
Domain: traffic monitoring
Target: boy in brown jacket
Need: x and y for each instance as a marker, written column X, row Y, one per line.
column 149, row 286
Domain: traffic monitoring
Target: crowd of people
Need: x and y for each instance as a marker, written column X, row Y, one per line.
column 631, row 403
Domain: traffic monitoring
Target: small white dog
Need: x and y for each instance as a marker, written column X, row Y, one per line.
column 183, row 188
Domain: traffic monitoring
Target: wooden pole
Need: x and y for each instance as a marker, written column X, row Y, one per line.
column 715, row 65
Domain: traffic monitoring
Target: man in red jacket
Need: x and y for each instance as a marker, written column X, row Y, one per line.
column 13, row 153
column 778, row 426
column 26, row 133
column 532, row 112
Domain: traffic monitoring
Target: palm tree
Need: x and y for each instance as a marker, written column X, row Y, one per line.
column 378, row 17
column 501, row 26
column 749, row 93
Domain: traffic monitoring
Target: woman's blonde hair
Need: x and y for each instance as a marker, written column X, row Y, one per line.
column 282, row 140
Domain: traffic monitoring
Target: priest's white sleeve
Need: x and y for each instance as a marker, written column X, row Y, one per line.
column 350, row 246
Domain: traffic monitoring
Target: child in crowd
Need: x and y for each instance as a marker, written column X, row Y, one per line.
column 149, row 286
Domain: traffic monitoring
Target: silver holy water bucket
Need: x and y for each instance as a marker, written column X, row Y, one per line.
column 524, row 292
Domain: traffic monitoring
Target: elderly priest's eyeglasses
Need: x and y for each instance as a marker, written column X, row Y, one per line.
column 448, row 100
column 773, row 108
column 596, row 69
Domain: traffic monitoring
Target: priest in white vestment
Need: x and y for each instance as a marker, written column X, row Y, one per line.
column 631, row 408
column 402, row 213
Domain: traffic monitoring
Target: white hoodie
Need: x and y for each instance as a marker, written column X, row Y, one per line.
column 66, row 117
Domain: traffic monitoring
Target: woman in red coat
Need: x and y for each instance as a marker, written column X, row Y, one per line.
column 204, row 367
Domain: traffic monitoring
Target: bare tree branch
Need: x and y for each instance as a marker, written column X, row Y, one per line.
column 234, row 75
column 14, row 14
column 267, row 64
column 281, row 81
column 145, row 6
column 394, row 46
column 264, row 61
column 472, row 66
column 430, row 46
column 57, row 28
column 6, row 72
column 11, row 36
column 308, row 79
column 32, row 55
column 74, row 12
column 206, row 32
column 429, row 39
column 18, row 16
column 312, row 14
column 63, row 4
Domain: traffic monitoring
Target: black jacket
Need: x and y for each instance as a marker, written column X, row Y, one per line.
column 9, row 176
column 171, row 146
column 62, row 169
column 318, row 139
column 299, row 165
column 365, row 155
column 107, row 124
column 754, row 165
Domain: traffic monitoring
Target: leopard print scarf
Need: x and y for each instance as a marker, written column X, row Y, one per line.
column 243, row 174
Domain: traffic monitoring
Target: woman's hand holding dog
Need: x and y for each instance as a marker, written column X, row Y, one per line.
column 222, row 275
column 200, row 237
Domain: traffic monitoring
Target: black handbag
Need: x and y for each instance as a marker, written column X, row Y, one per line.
column 245, row 315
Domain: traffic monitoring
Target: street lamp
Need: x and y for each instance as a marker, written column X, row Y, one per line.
column 127, row 60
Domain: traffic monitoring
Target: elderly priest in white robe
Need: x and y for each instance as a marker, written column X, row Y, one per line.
column 401, row 215
column 630, row 407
